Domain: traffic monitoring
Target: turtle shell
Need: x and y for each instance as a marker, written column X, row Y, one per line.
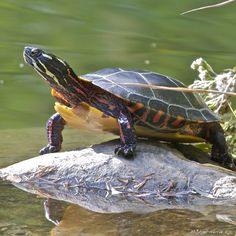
column 135, row 86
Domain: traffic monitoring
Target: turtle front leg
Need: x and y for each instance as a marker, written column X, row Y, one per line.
column 54, row 126
column 219, row 150
column 127, row 135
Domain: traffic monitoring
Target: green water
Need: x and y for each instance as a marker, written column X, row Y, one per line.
column 91, row 35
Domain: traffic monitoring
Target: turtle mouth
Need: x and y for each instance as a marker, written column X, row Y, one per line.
column 27, row 57
column 42, row 63
column 31, row 54
column 33, row 57
column 53, row 69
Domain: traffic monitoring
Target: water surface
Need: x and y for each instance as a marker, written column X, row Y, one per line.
column 92, row 35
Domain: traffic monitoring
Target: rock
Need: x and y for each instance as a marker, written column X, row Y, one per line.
column 97, row 179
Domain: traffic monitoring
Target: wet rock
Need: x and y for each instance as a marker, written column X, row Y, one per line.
column 99, row 180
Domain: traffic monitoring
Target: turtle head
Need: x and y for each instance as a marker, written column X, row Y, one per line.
column 53, row 69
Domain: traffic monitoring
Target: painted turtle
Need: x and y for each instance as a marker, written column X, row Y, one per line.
column 129, row 97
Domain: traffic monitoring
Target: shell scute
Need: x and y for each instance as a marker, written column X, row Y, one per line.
column 158, row 105
column 177, row 111
column 194, row 114
column 139, row 86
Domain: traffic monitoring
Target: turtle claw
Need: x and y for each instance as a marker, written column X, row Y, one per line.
column 49, row 149
column 126, row 150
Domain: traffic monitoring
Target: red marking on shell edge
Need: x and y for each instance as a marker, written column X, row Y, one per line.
column 157, row 117
column 135, row 107
column 177, row 121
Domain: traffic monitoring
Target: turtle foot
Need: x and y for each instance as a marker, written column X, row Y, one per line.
column 49, row 149
column 126, row 150
column 229, row 162
column 225, row 160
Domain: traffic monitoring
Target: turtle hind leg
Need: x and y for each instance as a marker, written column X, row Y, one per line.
column 219, row 150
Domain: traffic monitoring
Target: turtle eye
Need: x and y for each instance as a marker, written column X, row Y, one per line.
column 36, row 52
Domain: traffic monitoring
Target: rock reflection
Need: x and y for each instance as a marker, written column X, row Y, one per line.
column 79, row 221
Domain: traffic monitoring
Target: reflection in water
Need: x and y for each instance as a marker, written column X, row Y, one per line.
column 21, row 214
column 78, row 221
column 27, row 218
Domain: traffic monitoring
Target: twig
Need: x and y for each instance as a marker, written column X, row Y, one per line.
column 209, row 6
column 226, row 89
column 141, row 184
column 180, row 89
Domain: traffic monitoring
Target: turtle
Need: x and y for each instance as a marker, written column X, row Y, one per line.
column 126, row 102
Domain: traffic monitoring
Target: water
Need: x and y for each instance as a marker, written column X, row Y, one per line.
column 91, row 35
